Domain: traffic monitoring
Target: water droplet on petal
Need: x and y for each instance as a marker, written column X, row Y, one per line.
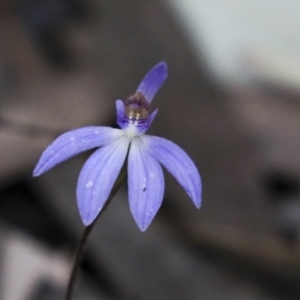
column 89, row 184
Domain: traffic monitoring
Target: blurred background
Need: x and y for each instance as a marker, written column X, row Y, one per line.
column 232, row 101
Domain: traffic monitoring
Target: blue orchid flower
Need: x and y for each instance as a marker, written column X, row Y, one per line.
column 145, row 155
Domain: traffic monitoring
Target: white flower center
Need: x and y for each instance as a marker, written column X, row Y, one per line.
column 131, row 130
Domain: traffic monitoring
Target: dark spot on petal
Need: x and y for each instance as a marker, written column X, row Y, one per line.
column 144, row 189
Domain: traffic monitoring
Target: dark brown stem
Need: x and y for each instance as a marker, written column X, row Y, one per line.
column 78, row 257
column 83, row 241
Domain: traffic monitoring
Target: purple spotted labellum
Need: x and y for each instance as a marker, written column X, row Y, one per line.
column 145, row 156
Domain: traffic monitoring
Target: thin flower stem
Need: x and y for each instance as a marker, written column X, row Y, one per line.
column 78, row 257
column 83, row 240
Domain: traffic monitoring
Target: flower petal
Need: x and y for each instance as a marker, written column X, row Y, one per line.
column 74, row 142
column 178, row 163
column 145, row 184
column 120, row 113
column 151, row 118
column 153, row 81
column 97, row 178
